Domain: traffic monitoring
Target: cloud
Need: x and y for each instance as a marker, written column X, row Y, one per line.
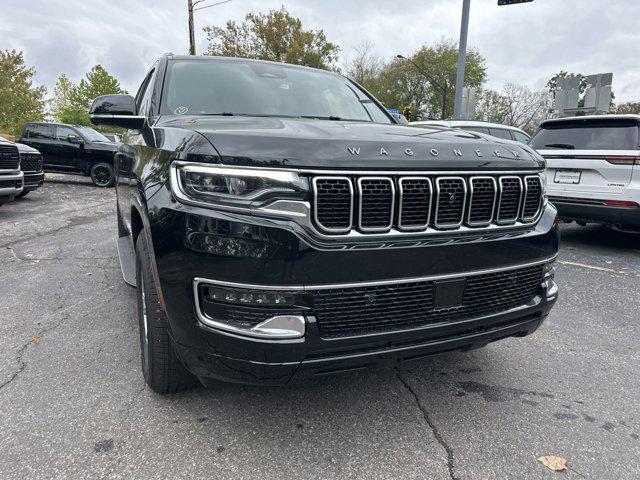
column 523, row 44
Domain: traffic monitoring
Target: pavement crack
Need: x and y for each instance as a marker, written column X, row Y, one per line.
column 434, row 429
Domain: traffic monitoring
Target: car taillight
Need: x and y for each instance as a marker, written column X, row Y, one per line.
column 620, row 203
column 622, row 159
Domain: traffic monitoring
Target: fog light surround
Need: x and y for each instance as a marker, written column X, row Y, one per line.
column 224, row 306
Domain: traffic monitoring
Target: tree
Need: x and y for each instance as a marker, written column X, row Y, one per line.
column 71, row 102
column 365, row 68
column 275, row 36
column 402, row 84
column 20, row 100
column 628, row 107
column 515, row 105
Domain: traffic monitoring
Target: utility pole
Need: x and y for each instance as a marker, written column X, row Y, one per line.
column 462, row 57
column 190, row 8
column 192, row 34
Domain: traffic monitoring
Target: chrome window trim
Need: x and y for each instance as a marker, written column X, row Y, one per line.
column 493, row 207
column 393, row 201
column 315, row 204
column 448, row 226
column 535, row 217
column 508, row 221
column 398, row 281
column 401, row 200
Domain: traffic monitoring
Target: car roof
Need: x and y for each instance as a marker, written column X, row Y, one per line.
column 467, row 123
column 586, row 118
column 56, row 124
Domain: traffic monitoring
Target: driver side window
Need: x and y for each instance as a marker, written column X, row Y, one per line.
column 63, row 132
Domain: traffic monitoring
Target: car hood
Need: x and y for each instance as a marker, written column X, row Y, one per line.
column 325, row 144
column 22, row 148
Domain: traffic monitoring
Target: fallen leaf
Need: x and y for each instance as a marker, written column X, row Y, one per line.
column 557, row 464
column 36, row 340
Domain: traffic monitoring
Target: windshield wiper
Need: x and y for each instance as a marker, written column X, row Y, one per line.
column 318, row 117
column 568, row 146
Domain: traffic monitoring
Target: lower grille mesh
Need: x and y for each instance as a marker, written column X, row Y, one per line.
column 352, row 311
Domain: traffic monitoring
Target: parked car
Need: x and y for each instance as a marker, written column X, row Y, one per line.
column 593, row 168
column 31, row 166
column 113, row 137
column 11, row 178
column 495, row 129
column 72, row 149
column 280, row 225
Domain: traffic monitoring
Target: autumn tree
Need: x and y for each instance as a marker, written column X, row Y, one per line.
column 274, row 35
column 365, row 67
column 628, row 107
column 20, row 100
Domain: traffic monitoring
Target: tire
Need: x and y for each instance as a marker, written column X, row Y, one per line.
column 102, row 175
column 161, row 367
column 22, row 194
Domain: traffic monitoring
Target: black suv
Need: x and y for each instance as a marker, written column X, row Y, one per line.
column 72, row 149
column 279, row 224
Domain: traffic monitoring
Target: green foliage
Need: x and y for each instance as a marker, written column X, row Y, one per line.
column 20, row 101
column 71, row 102
column 275, row 36
column 399, row 83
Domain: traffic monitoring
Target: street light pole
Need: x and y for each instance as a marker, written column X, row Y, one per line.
column 462, row 58
column 442, row 88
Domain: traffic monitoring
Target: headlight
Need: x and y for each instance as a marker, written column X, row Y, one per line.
column 237, row 188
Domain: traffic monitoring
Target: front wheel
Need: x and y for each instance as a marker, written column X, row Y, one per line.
column 161, row 367
column 102, row 175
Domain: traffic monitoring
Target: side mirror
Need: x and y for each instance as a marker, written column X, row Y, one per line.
column 74, row 139
column 117, row 111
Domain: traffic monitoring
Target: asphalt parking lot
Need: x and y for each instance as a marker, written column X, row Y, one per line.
column 73, row 403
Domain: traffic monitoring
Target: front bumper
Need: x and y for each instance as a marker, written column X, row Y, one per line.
column 11, row 184
column 33, row 180
column 589, row 211
column 191, row 242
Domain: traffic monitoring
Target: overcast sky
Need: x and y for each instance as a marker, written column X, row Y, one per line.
column 523, row 44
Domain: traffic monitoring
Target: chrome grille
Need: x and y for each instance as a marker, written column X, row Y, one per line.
column 451, row 196
column 397, row 204
column 414, row 208
column 376, row 196
column 482, row 201
column 532, row 197
column 9, row 157
column 333, row 201
column 510, row 198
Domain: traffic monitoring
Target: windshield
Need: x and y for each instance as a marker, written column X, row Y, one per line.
column 217, row 87
column 91, row 135
column 587, row 136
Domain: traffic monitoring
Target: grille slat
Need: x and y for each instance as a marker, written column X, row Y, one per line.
column 376, row 204
column 482, row 201
column 352, row 311
column 9, row 157
column 415, row 203
column 510, row 198
column 450, row 201
column 425, row 203
column 532, row 198
column 333, row 203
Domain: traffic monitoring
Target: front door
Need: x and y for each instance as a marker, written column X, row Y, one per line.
column 69, row 154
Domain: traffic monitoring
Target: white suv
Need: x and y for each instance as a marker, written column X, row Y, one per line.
column 593, row 168
column 494, row 129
